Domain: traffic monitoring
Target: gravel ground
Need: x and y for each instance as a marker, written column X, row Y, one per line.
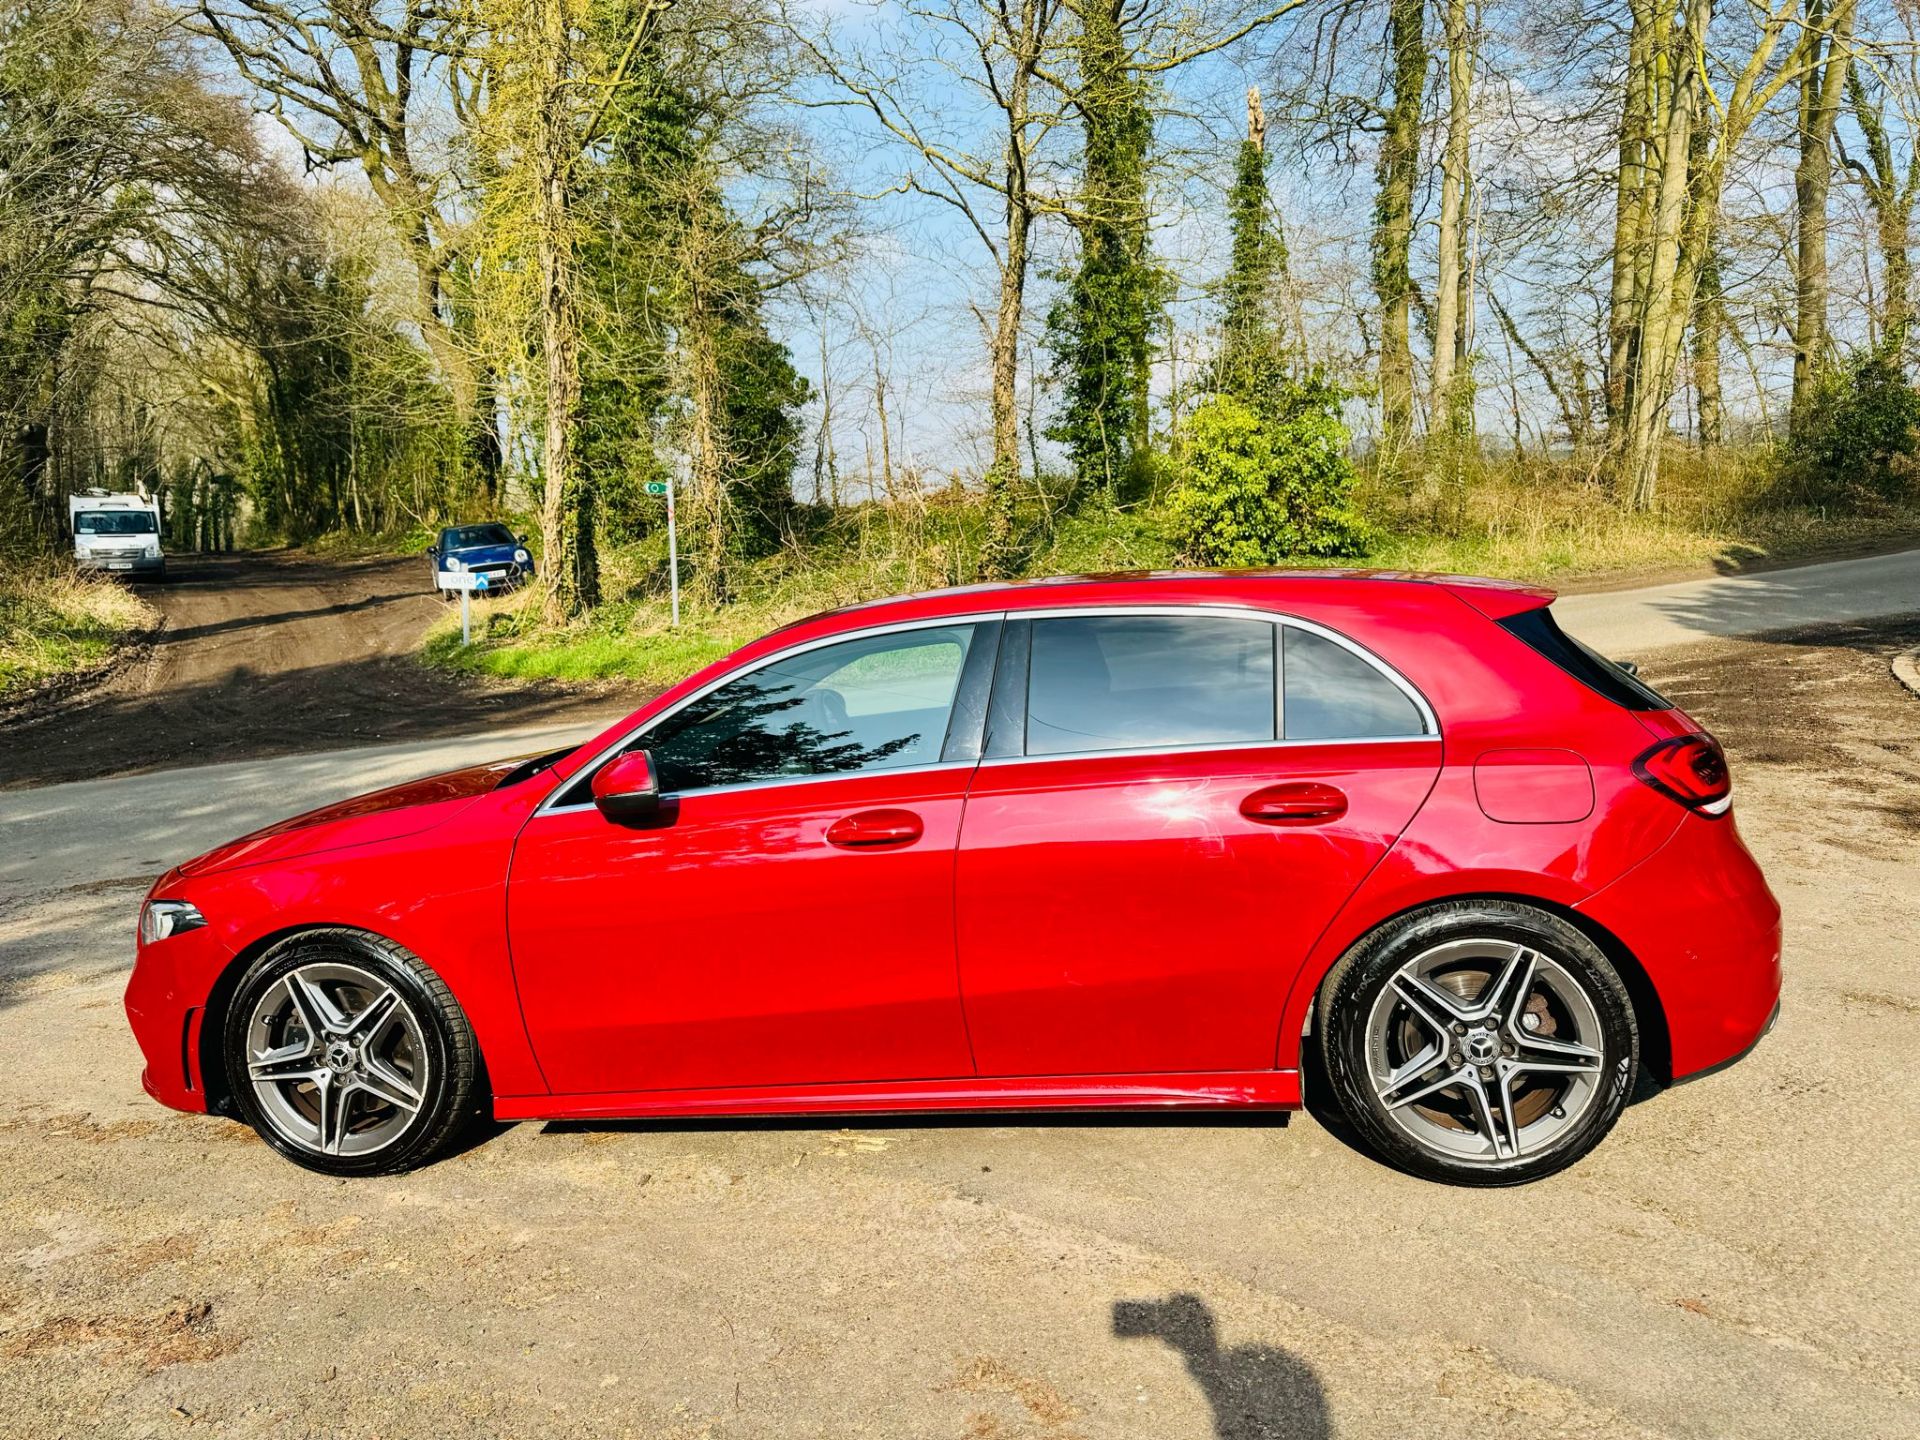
column 1740, row 1258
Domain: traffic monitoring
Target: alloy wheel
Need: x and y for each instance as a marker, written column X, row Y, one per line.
column 1485, row 1050
column 336, row 1059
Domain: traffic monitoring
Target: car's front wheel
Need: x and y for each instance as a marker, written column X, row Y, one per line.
column 1478, row 1042
column 349, row 1056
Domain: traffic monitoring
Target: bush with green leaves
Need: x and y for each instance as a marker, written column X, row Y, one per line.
column 1265, row 477
column 1861, row 434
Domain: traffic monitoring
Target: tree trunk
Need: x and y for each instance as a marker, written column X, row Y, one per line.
column 1891, row 197
column 1396, row 173
column 1709, row 318
column 1831, row 22
column 566, row 508
column 1709, row 323
column 484, row 450
column 997, row 558
column 1449, row 333
column 708, row 521
column 997, row 554
column 1633, row 190
column 1668, row 293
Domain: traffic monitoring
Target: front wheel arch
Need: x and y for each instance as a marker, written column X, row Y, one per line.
column 211, row 1056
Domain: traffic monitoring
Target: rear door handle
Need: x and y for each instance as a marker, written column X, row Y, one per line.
column 1298, row 802
column 875, row 829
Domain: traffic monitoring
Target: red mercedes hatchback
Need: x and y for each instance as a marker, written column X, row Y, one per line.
column 1111, row 842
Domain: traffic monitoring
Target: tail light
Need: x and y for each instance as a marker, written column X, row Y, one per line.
column 1691, row 769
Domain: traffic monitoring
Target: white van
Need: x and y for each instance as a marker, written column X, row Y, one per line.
column 117, row 532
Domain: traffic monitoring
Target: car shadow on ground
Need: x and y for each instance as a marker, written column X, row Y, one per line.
column 1257, row 1392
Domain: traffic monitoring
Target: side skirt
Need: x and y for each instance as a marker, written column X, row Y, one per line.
column 1256, row 1089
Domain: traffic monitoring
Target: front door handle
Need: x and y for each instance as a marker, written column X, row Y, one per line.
column 1298, row 802
column 875, row 829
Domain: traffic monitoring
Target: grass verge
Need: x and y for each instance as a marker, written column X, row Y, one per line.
column 56, row 623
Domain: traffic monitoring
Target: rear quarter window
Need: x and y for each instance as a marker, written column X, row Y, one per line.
column 1331, row 693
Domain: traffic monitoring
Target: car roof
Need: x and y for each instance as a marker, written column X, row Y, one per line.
column 1495, row 598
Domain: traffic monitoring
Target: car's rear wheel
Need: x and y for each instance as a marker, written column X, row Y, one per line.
column 349, row 1056
column 1478, row 1042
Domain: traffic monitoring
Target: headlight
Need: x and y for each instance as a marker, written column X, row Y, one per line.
column 454, row 563
column 161, row 918
column 520, row 557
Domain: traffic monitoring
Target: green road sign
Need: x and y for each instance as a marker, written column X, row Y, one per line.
column 656, row 487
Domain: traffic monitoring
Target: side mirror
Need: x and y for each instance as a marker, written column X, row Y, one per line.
column 626, row 789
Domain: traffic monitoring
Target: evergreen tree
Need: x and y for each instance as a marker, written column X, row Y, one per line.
column 677, row 330
column 1101, row 330
column 1252, row 342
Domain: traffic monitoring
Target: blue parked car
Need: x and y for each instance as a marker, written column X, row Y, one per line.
column 490, row 550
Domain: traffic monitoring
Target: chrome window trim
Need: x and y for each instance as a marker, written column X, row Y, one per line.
column 1151, row 753
column 1275, row 618
column 1429, row 721
column 607, row 752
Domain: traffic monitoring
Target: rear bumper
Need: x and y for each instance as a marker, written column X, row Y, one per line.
column 165, row 1003
column 1699, row 918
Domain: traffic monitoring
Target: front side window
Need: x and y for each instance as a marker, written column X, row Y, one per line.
column 1138, row 682
column 1333, row 694
column 114, row 522
column 881, row 702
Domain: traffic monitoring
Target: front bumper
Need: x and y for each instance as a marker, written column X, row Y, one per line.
column 166, row 1002
column 1699, row 918
column 124, row 564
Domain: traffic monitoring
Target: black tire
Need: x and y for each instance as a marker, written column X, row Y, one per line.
column 1366, row 1035
column 438, row 1044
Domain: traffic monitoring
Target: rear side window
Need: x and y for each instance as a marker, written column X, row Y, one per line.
column 1138, row 682
column 1334, row 694
column 1541, row 632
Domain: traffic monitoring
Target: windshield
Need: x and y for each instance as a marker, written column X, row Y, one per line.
column 113, row 522
column 459, row 537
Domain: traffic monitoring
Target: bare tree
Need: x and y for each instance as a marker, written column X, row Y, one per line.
column 989, row 172
column 1825, row 65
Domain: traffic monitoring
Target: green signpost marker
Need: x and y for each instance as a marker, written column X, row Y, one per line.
column 658, row 487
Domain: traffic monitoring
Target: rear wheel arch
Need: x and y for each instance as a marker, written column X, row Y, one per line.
column 1656, row 1046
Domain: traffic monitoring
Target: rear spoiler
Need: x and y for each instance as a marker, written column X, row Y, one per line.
column 1498, row 599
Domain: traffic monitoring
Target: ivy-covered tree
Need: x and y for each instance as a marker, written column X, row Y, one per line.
column 1101, row 330
column 678, row 349
column 1252, row 335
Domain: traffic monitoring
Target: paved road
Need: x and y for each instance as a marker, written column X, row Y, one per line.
column 1632, row 623
column 143, row 824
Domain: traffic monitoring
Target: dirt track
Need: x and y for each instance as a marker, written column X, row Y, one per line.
column 273, row 653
